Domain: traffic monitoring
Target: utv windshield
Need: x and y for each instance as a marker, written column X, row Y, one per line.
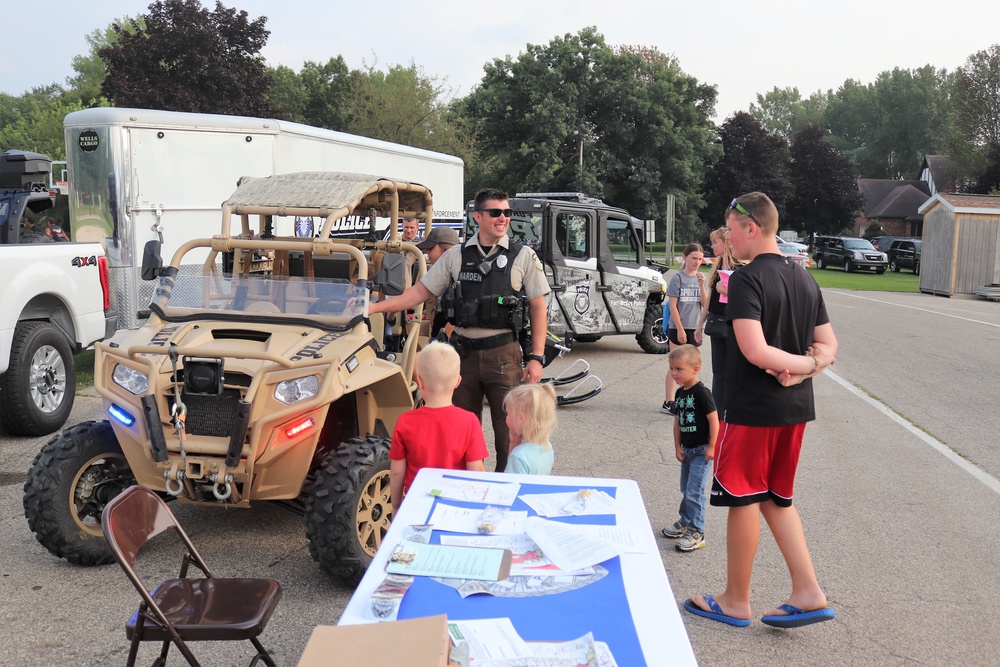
column 328, row 303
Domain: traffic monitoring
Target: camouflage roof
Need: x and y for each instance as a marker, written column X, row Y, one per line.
column 310, row 189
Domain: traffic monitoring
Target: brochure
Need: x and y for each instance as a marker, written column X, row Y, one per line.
column 436, row 560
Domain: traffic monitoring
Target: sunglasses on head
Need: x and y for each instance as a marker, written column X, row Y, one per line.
column 497, row 212
column 738, row 207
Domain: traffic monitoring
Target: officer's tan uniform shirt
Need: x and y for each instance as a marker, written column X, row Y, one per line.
column 525, row 272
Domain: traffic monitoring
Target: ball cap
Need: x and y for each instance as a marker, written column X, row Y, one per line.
column 439, row 235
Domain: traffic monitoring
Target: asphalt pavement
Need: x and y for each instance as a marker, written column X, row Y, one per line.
column 897, row 487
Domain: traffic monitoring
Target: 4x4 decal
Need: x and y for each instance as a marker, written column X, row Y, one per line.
column 84, row 261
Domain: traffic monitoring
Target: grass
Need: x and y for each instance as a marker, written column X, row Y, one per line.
column 904, row 281
column 84, row 370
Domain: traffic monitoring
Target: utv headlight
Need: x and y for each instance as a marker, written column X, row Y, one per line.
column 129, row 379
column 293, row 391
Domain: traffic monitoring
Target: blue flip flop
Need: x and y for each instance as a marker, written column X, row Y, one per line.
column 716, row 614
column 796, row 618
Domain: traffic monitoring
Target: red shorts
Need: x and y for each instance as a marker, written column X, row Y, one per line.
column 756, row 463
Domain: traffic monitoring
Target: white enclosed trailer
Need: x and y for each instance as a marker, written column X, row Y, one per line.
column 136, row 174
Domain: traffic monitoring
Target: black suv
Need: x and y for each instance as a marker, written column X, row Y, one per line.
column 850, row 253
column 905, row 254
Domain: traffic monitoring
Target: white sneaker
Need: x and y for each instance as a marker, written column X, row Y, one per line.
column 692, row 540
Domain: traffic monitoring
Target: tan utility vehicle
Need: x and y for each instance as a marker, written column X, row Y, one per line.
column 257, row 377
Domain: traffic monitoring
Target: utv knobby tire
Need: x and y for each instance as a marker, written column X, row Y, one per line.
column 37, row 391
column 72, row 478
column 349, row 509
column 652, row 338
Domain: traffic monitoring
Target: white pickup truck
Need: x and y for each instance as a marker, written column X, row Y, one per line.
column 54, row 303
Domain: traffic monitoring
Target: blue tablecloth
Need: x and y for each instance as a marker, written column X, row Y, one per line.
column 601, row 607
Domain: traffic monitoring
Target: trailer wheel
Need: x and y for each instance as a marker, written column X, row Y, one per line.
column 37, row 391
column 652, row 338
column 71, row 480
column 349, row 509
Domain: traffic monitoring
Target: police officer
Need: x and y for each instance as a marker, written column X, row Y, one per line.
column 498, row 284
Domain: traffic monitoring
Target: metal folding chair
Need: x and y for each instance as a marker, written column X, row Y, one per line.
column 184, row 609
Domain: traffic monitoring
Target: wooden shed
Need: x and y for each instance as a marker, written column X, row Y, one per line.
column 961, row 243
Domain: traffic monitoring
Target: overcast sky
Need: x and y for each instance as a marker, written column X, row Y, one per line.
column 743, row 48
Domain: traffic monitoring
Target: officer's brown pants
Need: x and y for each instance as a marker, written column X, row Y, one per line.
column 490, row 373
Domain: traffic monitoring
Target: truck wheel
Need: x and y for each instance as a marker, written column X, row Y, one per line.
column 848, row 266
column 820, row 262
column 916, row 268
column 71, row 480
column 893, row 265
column 37, row 391
column 348, row 508
column 652, row 338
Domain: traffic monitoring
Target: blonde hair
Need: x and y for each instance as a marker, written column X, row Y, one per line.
column 687, row 354
column 535, row 404
column 727, row 261
column 438, row 366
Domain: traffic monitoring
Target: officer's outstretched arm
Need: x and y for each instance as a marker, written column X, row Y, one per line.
column 413, row 295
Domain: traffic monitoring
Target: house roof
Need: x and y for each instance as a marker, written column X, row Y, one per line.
column 899, row 203
column 881, row 195
column 940, row 168
column 960, row 203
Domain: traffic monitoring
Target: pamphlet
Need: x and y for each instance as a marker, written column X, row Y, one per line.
column 436, row 560
column 572, row 503
column 467, row 490
column 724, row 279
column 569, row 547
column 456, row 519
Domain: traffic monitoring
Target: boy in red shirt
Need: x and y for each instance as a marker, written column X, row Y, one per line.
column 437, row 434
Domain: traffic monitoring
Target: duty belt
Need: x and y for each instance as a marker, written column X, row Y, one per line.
column 487, row 343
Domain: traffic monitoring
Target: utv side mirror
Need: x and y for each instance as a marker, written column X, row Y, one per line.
column 151, row 260
column 392, row 275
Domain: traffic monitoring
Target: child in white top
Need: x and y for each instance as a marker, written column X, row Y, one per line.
column 531, row 418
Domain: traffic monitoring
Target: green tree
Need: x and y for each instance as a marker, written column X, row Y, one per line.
column 33, row 121
column 186, row 58
column 85, row 85
column 888, row 126
column 753, row 159
column 576, row 114
column 974, row 136
column 782, row 111
column 825, row 198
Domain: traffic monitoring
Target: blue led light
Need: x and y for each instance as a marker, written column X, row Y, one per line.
column 120, row 414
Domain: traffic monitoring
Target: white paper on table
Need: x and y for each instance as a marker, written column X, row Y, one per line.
column 626, row 537
column 528, row 559
column 489, row 639
column 466, row 490
column 553, row 504
column 566, row 546
column 464, row 520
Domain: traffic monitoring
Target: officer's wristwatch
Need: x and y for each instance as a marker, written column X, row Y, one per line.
column 536, row 357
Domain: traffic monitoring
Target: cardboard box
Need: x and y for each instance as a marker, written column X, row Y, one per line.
column 417, row 642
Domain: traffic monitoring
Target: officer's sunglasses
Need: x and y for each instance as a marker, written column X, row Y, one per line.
column 497, row 212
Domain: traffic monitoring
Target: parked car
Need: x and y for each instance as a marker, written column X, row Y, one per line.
column 905, row 254
column 882, row 243
column 793, row 253
column 849, row 252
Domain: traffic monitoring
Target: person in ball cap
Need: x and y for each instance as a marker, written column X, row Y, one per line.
column 436, row 244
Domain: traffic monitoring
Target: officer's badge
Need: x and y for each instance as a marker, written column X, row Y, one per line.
column 582, row 302
column 501, row 261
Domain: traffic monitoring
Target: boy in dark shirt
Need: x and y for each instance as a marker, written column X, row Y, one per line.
column 696, row 426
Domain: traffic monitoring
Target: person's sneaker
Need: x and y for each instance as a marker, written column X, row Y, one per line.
column 674, row 531
column 667, row 408
column 692, row 540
